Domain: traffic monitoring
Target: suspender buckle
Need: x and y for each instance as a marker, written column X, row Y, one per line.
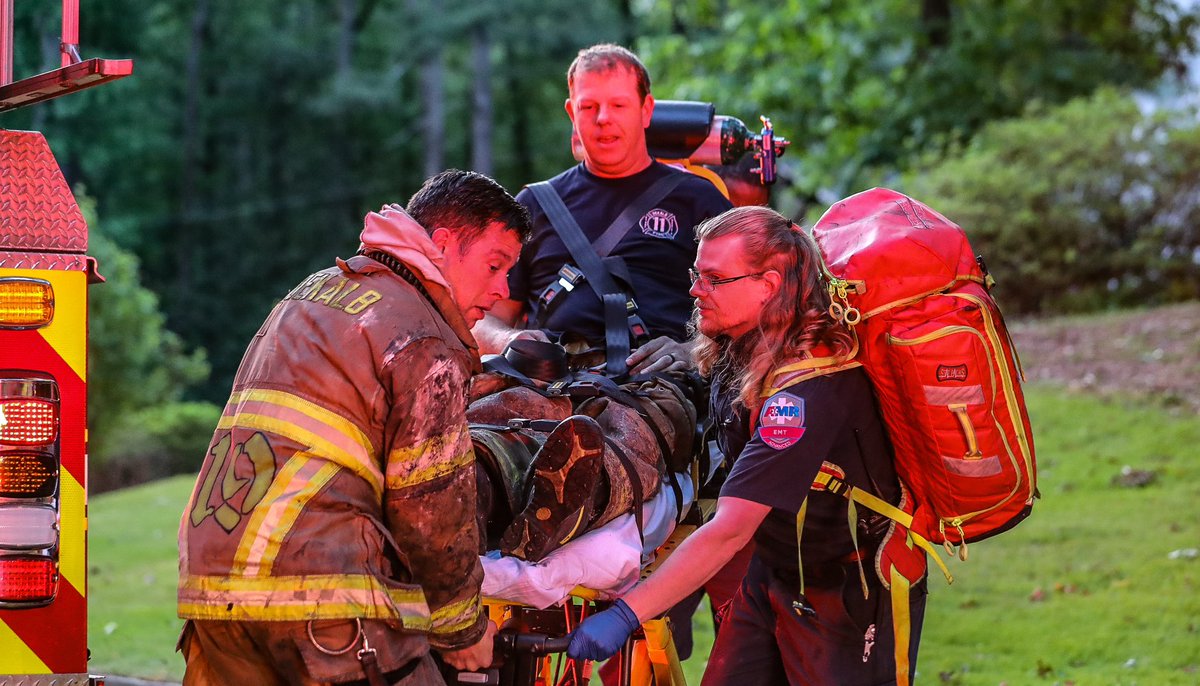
column 802, row 607
column 568, row 278
column 543, row 425
column 637, row 328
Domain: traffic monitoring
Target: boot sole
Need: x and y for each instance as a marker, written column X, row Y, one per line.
column 565, row 474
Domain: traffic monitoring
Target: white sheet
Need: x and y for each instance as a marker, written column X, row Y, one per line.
column 608, row 559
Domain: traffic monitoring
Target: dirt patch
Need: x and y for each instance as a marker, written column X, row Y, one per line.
column 1151, row 354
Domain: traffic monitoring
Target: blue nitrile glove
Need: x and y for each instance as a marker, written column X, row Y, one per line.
column 602, row 635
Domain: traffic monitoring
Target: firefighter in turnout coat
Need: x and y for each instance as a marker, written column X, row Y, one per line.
column 331, row 536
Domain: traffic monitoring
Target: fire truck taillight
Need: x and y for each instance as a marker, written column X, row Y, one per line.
column 25, row 303
column 28, row 475
column 30, row 471
column 28, row 527
column 27, row 580
column 28, row 421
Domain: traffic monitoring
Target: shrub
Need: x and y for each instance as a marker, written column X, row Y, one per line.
column 138, row 372
column 134, row 360
column 1086, row 206
column 153, row 443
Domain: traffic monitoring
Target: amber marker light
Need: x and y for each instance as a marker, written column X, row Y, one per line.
column 25, row 303
column 28, row 475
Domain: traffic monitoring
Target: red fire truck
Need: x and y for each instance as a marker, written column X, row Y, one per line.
column 44, row 276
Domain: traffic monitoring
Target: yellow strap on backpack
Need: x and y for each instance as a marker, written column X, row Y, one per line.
column 901, row 625
column 886, row 509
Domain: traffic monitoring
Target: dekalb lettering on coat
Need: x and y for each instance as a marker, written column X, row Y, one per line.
column 337, row 295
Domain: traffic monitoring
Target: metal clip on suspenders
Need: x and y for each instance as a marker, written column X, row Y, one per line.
column 620, row 311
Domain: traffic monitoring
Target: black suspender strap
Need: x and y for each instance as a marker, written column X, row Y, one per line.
column 616, row 327
column 635, row 484
column 643, row 204
column 574, row 238
column 620, row 310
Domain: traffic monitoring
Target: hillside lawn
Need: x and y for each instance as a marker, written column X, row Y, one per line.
column 1100, row 586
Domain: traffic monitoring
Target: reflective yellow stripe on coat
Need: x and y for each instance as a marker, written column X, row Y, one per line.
column 457, row 616
column 326, row 434
column 295, row 598
column 429, row 459
column 293, row 487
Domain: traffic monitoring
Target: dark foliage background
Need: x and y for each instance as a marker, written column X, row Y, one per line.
column 253, row 137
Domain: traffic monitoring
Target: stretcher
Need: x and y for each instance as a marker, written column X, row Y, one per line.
column 536, row 609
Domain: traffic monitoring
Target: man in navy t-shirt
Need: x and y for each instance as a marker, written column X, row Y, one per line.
column 610, row 106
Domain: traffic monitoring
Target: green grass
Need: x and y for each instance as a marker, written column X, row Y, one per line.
column 1082, row 592
column 1113, row 608
column 133, row 573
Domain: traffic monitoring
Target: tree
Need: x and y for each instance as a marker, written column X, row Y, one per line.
column 138, row 372
column 253, row 137
column 482, row 112
column 863, row 87
column 1087, row 205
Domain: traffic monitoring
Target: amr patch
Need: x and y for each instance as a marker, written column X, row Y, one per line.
column 781, row 421
column 659, row 223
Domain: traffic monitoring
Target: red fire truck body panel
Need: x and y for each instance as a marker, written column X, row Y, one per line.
column 43, row 237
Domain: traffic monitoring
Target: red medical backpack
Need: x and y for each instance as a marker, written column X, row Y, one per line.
column 935, row 347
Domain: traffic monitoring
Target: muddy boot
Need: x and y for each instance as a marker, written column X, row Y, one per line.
column 673, row 419
column 502, row 461
column 517, row 403
column 632, row 464
column 642, row 445
column 561, row 488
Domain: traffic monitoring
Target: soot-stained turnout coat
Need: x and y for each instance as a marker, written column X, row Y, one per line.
column 340, row 480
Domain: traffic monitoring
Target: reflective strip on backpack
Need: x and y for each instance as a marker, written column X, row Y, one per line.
column 901, row 625
column 886, row 509
column 1007, row 382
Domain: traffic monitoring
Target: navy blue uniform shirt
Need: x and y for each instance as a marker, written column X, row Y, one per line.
column 657, row 250
column 831, row 418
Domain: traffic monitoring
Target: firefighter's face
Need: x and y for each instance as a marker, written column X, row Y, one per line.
column 731, row 308
column 478, row 270
column 611, row 119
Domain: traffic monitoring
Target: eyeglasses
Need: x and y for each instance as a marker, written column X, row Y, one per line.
column 707, row 285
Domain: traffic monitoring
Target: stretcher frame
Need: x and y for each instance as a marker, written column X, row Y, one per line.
column 648, row 658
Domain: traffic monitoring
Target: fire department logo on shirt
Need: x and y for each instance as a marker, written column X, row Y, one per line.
column 659, row 223
column 781, row 421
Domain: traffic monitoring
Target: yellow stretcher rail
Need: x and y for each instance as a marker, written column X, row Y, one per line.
column 652, row 655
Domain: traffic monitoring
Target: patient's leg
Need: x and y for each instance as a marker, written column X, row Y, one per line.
column 534, row 497
column 560, row 490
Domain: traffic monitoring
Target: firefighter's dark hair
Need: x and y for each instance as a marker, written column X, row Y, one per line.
column 468, row 203
column 604, row 57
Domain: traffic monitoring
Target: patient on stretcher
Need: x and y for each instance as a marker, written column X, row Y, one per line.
column 552, row 466
column 572, row 469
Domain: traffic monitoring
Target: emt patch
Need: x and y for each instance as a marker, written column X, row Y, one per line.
column 781, row 421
